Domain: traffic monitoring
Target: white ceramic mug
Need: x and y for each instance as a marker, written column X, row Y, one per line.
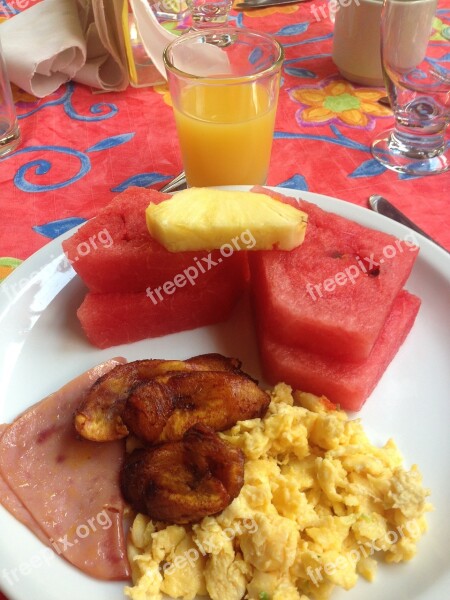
column 356, row 41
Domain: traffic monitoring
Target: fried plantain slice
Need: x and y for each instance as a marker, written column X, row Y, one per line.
column 164, row 408
column 182, row 482
column 98, row 418
column 208, row 451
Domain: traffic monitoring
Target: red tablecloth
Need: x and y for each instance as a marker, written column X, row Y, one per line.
column 80, row 148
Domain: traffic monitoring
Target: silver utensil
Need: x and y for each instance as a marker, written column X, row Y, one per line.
column 385, row 208
column 385, row 101
column 249, row 4
column 178, row 183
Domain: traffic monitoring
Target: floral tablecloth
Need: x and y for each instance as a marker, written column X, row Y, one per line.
column 81, row 147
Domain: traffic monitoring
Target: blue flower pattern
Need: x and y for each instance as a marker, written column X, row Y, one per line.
column 299, row 67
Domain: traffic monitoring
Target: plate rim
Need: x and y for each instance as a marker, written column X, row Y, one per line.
column 432, row 255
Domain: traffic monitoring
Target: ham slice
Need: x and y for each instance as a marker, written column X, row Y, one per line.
column 68, row 486
column 13, row 504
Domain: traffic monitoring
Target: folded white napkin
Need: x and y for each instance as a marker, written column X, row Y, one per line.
column 57, row 40
column 106, row 64
column 43, row 46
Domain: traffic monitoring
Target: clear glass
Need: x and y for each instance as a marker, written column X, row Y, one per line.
column 224, row 86
column 169, row 10
column 209, row 13
column 142, row 71
column 9, row 127
column 415, row 40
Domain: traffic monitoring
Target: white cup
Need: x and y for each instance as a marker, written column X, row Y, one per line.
column 356, row 41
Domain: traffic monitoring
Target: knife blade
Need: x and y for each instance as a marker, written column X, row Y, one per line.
column 385, row 208
column 249, row 4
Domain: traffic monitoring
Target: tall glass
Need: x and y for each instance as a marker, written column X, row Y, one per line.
column 169, row 10
column 225, row 106
column 415, row 42
column 209, row 13
column 9, row 128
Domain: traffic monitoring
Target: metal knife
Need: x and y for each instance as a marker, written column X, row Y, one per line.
column 248, row 4
column 384, row 207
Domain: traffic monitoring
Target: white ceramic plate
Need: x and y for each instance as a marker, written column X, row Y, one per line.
column 42, row 347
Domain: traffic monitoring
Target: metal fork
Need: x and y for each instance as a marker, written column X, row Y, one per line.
column 249, row 4
column 178, row 183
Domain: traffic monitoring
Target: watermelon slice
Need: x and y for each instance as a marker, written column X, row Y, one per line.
column 121, row 318
column 344, row 383
column 332, row 294
column 114, row 251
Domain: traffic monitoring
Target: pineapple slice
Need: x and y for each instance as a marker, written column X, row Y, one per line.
column 206, row 218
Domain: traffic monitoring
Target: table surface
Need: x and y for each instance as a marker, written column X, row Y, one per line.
column 81, row 147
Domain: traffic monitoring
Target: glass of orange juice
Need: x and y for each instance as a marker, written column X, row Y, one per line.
column 224, row 103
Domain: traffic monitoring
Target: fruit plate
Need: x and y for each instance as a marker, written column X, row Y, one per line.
column 42, row 347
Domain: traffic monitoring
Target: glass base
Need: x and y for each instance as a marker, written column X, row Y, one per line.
column 417, row 160
column 9, row 139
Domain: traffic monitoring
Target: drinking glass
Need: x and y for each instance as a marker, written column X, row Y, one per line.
column 169, row 10
column 209, row 13
column 225, row 106
column 415, row 42
column 9, row 128
column 141, row 69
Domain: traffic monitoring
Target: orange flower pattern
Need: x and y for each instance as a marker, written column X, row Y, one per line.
column 163, row 90
column 20, row 95
column 7, row 266
column 339, row 102
column 441, row 31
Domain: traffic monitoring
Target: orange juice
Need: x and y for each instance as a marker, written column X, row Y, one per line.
column 226, row 133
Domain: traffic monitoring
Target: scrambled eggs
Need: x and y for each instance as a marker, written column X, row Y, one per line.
column 318, row 503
